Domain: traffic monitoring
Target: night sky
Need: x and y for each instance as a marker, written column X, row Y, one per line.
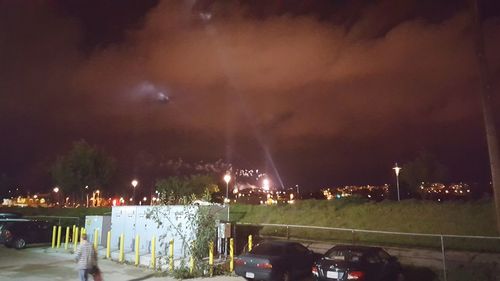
column 323, row 92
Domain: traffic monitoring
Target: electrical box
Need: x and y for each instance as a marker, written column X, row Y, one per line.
column 100, row 223
column 172, row 222
column 123, row 222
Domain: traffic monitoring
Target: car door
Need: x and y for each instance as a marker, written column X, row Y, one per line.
column 301, row 259
column 391, row 266
column 374, row 267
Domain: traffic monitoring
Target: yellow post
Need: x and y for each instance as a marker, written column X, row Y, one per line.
column 75, row 241
column 59, row 230
column 137, row 249
column 211, row 257
column 231, row 255
column 82, row 231
column 67, row 238
column 73, row 234
column 54, row 233
column 191, row 264
column 191, row 260
column 122, row 253
column 249, row 243
column 96, row 238
column 153, row 252
column 108, row 245
column 171, row 255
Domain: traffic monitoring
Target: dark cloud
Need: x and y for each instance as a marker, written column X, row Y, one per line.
column 288, row 78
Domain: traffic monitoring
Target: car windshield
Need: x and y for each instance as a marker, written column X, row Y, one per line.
column 267, row 249
column 346, row 255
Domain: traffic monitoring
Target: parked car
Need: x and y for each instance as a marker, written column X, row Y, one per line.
column 4, row 222
column 275, row 260
column 345, row 262
column 19, row 233
column 10, row 215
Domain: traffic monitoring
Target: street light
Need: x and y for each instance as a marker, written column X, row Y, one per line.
column 134, row 184
column 396, row 170
column 227, row 178
column 56, row 191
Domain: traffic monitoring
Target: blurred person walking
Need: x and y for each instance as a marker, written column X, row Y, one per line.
column 86, row 257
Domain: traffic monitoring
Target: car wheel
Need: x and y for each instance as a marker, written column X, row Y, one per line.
column 19, row 243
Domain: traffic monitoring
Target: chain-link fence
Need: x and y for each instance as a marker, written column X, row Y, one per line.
column 424, row 256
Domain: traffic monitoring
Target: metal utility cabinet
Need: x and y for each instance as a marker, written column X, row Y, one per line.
column 100, row 223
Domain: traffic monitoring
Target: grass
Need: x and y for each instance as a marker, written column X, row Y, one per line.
column 412, row 216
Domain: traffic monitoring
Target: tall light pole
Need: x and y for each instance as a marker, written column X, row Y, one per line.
column 396, row 170
column 134, row 184
column 56, row 191
column 227, row 178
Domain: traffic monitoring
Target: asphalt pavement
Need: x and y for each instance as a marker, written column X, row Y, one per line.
column 44, row 264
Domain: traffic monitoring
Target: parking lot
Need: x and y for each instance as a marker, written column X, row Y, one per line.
column 42, row 264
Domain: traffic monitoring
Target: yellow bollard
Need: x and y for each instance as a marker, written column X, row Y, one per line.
column 153, row 252
column 191, row 260
column 54, row 233
column 108, row 245
column 211, row 257
column 122, row 252
column 96, row 238
column 137, row 249
column 249, row 243
column 231, row 255
column 59, row 230
column 171, row 255
column 82, row 231
column 67, row 238
column 76, row 239
column 73, row 234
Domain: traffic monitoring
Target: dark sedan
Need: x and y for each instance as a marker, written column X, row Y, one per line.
column 20, row 233
column 10, row 215
column 275, row 260
column 344, row 262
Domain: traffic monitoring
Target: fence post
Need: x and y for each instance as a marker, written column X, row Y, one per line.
column 211, row 257
column 108, row 245
column 59, row 230
column 249, row 242
column 231, row 255
column 444, row 257
column 67, row 238
column 171, row 255
column 75, row 241
column 287, row 232
column 54, row 233
column 122, row 253
column 153, row 252
column 137, row 249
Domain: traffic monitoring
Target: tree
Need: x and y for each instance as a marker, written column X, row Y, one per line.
column 176, row 190
column 424, row 168
column 82, row 166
